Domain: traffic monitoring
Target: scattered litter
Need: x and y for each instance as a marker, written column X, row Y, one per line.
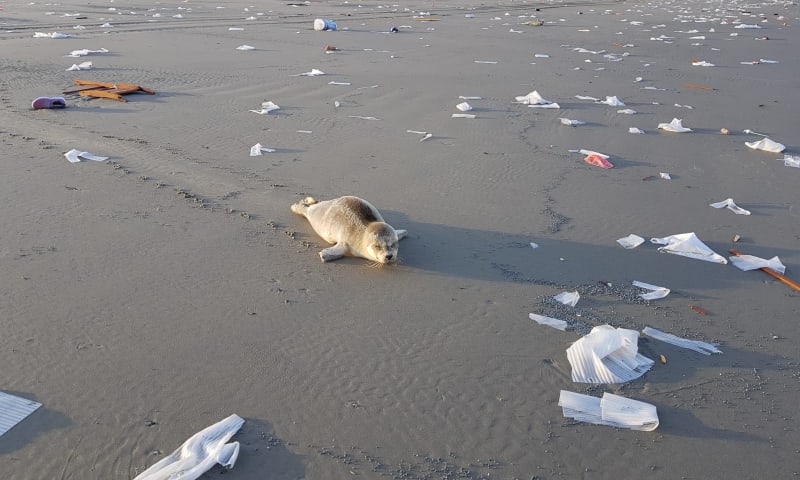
column 462, row 97
column 772, row 272
column 750, row 262
column 688, row 245
column 676, row 125
column 304, row 131
column 699, row 310
column 790, row 161
column 48, row 102
column 631, row 241
column 745, row 25
column 363, row 118
column 656, row 291
column 550, row 322
column 767, row 145
column 533, row 99
column 74, row 156
column 199, row 453
column 698, row 87
column 256, row 150
column 748, row 131
column 490, row 62
column 462, row 115
column 571, row 123
column 684, row 106
column 50, row 35
column 321, row 24
column 84, row 52
column 635, row 130
column 245, row 47
column 235, row 29
column 13, row 410
column 611, row 410
column 613, row 102
column 80, row 66
column 330, row 48
column 568, row 298
column 598, row 160
column 425, row 135
column 313, row 73
column 584, row 97
column 607, row 355
column 724, row 131
column 112, row 91
column 534, row 245
column 627, row 111
column 702, row 347
column 702, row 63
column 730, row 205
column 464, row 107
column 266, row 107
column 339, row 83
column 665, row 176
column 541, row 55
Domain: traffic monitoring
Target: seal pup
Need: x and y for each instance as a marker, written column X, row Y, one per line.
column 353, row 226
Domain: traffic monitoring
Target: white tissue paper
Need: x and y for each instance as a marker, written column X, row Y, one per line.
column 266, row 107
column 676, row 125
column 568, row 298
column 613, row 102
column 656, row 292
column 696, row 345
column 750, row 262
column 74, row 156
column 688, row 245
column 767, row 145
column 631, row 241
column 611, row 410
column 730, row 205
column 550, row 322
column 257, row 150
column 607, row 355
column 199, row 453
column 533, row 99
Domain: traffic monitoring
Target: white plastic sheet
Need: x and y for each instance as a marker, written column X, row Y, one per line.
column 50, row 35
column 549, row 321
column 767, row 145
column 266, row 107
column 688, row 245
column 199, row 453
column 730, row 205
column 313, row 73
column 80, row 66
column 85, row 51
column 676, row 125
column 13, row 410
column 635, row 130
column 750, row 262
column 702, row 347
column 258, row 149
column 790, row 161
column 533, row 99
column 245, row 47
column 607, row 355
column 631, row 241
column 464, row 107
column 613, row 102
column 611, row 410
column 571, row 123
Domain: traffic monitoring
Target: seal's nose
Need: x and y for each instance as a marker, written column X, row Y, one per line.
column 389, row 257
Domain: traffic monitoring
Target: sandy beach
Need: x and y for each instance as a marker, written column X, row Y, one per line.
column 148, row 296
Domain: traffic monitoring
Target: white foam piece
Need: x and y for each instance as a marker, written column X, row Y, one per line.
column 702, row 347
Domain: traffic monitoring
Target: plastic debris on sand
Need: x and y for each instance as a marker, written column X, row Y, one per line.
column 611, row 410
column 607, row 355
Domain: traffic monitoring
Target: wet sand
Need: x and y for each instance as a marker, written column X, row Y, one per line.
column 149, row 296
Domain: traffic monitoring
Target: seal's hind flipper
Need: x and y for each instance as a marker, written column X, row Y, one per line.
column 401, row 234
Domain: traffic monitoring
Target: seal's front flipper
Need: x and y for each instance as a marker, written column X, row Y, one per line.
column 333, row 253
column 301, row 207
column 401, row 234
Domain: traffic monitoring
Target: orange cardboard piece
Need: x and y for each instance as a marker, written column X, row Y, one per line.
column 598, row 161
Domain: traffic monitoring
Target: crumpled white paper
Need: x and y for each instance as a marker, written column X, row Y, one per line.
column 266, row 107
column 568, row 298
column 50, row 35
column 257, row 150
column 656, row 292
column 533, row 99
column 750, row 262
column 199, row 453
column 696, row 345
column 611, row 410
column 549, row 321
column 85, row 51
column 74, row 156
column 730, row 205
column 80, row 66
column 613, row 102
column 631, row 241
column 571, row 123
column 767, row 145
column 688, row 245
column 790, row 161
column 607, row 355
column 676, row 125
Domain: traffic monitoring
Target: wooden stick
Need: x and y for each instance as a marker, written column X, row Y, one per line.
column 772, row 273
column 698, row 87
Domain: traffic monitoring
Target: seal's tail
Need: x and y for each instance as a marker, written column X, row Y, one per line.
column 301, row 206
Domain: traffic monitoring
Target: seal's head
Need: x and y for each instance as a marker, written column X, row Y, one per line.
column 380, row 242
